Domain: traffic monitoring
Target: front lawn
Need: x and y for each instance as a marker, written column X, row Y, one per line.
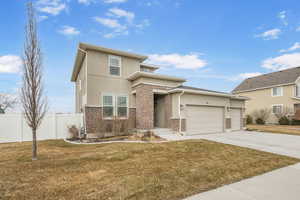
column 283, row 129
column 127, row 171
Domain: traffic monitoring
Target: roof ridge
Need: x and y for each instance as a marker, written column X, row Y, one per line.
column 273, row 72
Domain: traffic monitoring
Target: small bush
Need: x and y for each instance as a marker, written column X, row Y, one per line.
column 249, row 119
column 260, row 121
column 74, row 132
column 295, row 122
column 284, row 120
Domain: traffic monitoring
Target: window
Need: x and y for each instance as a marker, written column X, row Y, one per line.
column 276, row 109
column 297, row 91
column 277, row 91
column 114, row 65
column 115, row 106
column 122, row 106
column 108, row 106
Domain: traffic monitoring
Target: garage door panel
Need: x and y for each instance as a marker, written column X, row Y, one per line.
column 204, row 119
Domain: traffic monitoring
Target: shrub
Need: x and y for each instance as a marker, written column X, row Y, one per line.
column 284, row 121
column 261, row 115
column 260, row 121
column 249, row 119
column 74, row 132
column 295, row 122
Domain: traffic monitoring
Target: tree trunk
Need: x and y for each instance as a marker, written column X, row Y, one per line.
column 34, row 145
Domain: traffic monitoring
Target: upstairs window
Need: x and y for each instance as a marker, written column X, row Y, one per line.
column 114, row 63
column 277, row 109
column 297, row 90
column 277, row 91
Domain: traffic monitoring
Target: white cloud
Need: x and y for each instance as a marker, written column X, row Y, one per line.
column 282, row 17
column 53, row 7
column 69, row 30
column 114, row 1
column 243, row 76
column 111, row 23
column 143, row 24
column 298, row 29
column 188, row 61
column 282, row 62
column 86, row 2
column 42, row 18
column 270, row 34
column 292, row 48
column 10, row 64
column 119, row 13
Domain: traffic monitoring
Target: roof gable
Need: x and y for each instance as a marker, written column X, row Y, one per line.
column 284, row 77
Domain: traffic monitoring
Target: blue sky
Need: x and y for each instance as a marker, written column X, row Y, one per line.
column 214, row 44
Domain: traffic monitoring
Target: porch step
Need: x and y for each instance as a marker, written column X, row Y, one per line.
column 162, row 131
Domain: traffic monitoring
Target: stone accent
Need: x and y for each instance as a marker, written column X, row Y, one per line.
column 168, row 110
column 228, row 123
column 96, row 125
column 175, row 125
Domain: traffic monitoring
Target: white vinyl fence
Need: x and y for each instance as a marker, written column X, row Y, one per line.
column 13, row 127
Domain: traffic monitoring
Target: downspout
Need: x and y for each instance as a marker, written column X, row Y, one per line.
column 179, row 111
column 86, row 68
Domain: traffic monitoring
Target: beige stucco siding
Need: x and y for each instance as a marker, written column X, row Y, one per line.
column 100, row 81
column 263, row 98
column 156, row 82
column 237, row 103
column 80, row 91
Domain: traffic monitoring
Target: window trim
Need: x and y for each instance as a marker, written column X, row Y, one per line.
column 127, row 106
column 281, row 105
column 120, row 66
column 115, row 106
column 281, row 92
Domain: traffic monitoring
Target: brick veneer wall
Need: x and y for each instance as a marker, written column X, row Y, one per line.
column 145, row 106
column 95, row 124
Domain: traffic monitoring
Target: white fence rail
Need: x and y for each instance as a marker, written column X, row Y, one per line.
column 13, row 127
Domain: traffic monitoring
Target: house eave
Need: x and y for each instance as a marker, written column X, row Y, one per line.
column 262, row 88
column 137, row 75
column 209, row 93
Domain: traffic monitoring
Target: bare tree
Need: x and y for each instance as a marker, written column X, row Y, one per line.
column 32, row 98
column 7, row 101
column 262, row 114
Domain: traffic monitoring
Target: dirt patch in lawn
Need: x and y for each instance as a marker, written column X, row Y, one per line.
column 171, row 170
column 282, row 129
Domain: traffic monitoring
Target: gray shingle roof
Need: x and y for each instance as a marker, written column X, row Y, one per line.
column 287, row 76
column 199, row 89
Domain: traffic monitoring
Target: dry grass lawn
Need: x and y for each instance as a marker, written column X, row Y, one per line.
column 127, row 171
column 282, row 129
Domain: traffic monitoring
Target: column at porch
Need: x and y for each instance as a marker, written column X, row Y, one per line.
column 144, row 107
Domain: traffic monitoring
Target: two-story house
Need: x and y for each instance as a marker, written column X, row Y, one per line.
column 112, row 84
column 275, row 91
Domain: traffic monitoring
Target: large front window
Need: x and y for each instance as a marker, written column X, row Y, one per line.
column 297, row 90
column 115, row 105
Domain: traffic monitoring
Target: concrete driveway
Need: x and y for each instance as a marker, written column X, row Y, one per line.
column 283, row 144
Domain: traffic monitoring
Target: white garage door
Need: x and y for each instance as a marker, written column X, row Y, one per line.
column 204, row 119
column 235, row 119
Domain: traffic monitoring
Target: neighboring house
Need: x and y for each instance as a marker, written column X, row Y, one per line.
column 276, row 91
column 112, row 84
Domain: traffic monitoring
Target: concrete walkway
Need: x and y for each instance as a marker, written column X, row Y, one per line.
column 280, row 184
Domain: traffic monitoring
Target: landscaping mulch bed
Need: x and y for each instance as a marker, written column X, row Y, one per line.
column 128, row 138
